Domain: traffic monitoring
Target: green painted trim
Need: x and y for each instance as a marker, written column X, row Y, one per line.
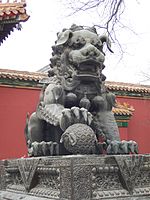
column 122, row 121
column 122, row 117
column 122, row 124
column 10, row 21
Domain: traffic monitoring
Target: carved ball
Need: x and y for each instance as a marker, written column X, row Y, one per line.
column 79, row 139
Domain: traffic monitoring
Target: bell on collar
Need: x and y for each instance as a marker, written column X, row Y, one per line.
column 85, row 102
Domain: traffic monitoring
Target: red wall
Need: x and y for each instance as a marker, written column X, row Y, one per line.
column 14, row 105
column 139, row 124
column 123, row 133
column 16, row 102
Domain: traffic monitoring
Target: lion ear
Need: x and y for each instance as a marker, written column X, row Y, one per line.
column 103, row 39
column 63, row 37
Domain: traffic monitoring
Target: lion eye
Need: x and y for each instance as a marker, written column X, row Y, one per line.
column 79, row 42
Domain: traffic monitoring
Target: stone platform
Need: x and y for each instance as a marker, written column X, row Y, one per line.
column 76, row 178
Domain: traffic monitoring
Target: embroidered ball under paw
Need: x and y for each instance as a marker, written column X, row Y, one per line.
column 79, row 139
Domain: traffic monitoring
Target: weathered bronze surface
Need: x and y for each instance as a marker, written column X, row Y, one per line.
column 74, row 97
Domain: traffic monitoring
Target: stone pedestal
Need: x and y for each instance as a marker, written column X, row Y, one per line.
column 76, row 178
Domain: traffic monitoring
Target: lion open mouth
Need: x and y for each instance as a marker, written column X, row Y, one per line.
column 88, row 69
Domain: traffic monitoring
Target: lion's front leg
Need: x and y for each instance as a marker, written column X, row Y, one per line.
column 35, row 128
column 106, row 122
column 34, row 131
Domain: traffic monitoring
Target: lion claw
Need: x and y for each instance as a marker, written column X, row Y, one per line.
column 44, row 148
column 122, row 147
column 73, row 116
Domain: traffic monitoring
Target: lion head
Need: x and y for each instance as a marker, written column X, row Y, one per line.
column 78, row 55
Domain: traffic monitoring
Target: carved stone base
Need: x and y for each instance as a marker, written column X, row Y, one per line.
column 76, row 178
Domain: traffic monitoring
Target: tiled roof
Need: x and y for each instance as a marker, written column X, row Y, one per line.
column 123, row 109
column 13, row 10
column 36, row 76
column 11, row 14
column 21, row 75
column 127, row 87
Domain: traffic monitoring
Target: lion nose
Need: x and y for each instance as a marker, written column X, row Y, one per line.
column 90, row 51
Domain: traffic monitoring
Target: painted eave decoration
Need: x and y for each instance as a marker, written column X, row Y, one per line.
column 11, row 14
column 123, row 109
column 123, row 112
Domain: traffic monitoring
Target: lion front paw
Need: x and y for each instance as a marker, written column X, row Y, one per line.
column 44, row 149
column 73, row 116
column 122, row 147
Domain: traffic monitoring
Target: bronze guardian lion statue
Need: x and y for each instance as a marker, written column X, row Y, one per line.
column 74, row 114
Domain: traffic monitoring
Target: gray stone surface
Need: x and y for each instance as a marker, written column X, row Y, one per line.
column 79, row 177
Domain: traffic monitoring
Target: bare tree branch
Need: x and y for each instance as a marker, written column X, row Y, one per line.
column 109, row 13
column 145, row 76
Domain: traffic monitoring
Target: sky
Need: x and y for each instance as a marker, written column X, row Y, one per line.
column 30, row 48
